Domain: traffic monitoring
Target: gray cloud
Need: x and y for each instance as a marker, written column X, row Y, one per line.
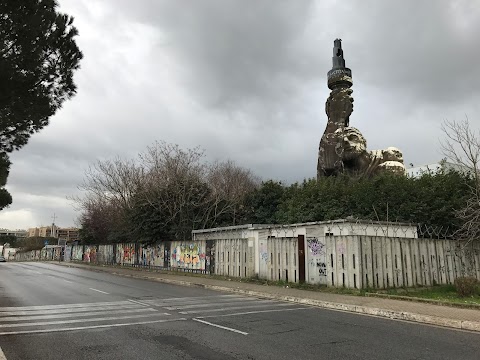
column 247, row 81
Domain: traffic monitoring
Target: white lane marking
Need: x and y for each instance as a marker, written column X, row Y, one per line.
column 100, row 291
column 220, row 326
column 82, row 314
column 138, row 302
column 233, row 308
column 67, row 310
column 87, row 327
column 205, row 301
column 189, row 299
column 183, row 307
column 2, row 355
column 62, row 306
column 42, row 323
column 252, row 312
column 68, row 281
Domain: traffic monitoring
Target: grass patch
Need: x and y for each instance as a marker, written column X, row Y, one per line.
column 445, row 293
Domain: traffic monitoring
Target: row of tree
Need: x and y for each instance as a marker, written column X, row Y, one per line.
column 168, row 191
column 163, row 194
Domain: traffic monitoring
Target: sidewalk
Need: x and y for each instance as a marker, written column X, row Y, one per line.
column 467, row 319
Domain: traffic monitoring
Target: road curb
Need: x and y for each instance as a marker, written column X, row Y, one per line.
column 390, row 314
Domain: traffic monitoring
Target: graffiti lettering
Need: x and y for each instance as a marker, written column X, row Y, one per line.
column 322, row 268
column 316, row 247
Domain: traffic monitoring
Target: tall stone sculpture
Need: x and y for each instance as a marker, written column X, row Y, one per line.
column 343, row 149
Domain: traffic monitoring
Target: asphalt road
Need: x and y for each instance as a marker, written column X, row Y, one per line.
column 54, row 312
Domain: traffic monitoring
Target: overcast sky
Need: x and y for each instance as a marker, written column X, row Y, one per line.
column 246, row 81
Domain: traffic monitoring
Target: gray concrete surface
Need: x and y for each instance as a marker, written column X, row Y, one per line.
column 453, row 317
column 56, row 312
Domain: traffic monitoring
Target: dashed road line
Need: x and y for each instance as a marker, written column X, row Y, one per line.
column 220, row 326
column 100, row 291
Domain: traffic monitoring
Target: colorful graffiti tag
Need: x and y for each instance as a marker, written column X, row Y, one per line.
column 90, row 254
column 189, row 256
column 153, row 255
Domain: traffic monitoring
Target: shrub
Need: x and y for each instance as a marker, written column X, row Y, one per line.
column 466, row 286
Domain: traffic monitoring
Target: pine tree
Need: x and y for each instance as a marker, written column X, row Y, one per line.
column 38, row 58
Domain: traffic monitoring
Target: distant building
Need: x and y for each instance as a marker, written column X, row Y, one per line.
column 69, row 234
column 16, row 233
column 43, row 231
column 434, row 168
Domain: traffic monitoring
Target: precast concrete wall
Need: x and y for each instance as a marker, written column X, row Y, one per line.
column 350, row 261
column 234, row 257
column 403, row 262
column 278, row 258
column 33, row 255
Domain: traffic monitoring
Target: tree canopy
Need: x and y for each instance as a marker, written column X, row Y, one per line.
column 38, row 58
column 171, row 191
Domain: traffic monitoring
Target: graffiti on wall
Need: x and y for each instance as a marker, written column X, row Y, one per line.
column 90, row 254
column 263, row 251
column 105, row 254
column 126, row 253
column 322, row 268
column 188, row 255
column 315, row 246
column 77, row 252
column 317, row 255
column 153, row 255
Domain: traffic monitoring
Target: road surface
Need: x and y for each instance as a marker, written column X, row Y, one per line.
column 55, row 312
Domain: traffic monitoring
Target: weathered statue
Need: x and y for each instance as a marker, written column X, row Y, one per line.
column 358, row 161
column 339, row 107
column 343, row 148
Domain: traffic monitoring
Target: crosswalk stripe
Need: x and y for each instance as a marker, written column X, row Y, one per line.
column 193, row 306
column 232, row 308
column 87, row 327
column 81, row 320
column 188, row 299
column 206, row 303
column 67, row 310
column 62, row 306
column 254, row 312
column 70, row 315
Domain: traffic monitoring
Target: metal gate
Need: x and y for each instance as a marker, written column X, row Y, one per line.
column 301, row 258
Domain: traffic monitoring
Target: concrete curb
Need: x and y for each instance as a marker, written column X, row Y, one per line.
column 390, row 314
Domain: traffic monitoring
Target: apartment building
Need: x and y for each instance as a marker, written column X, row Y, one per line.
column 69, row 234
